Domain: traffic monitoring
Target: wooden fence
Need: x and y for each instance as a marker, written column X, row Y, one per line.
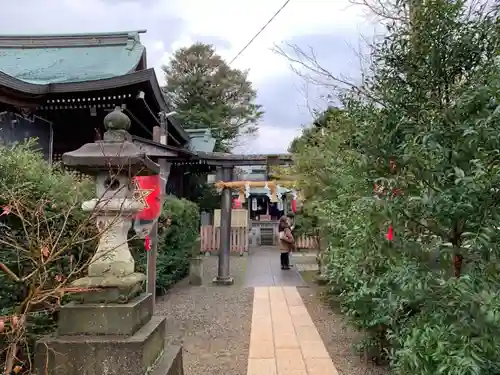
column 308, row 243
column 210, row 240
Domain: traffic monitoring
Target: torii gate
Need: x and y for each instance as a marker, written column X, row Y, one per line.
column 226, row 163
column 243, row 188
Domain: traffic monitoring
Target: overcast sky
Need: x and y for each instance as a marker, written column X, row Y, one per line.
column 331, row 28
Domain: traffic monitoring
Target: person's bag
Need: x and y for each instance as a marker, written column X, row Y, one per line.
column 284, row 237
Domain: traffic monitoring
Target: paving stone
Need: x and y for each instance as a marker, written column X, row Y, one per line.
column 313, row 349
column 261, row 348
column 263, row 269
column 320, row 366
column 293, row 342
column 290, row 362
column 261, row 366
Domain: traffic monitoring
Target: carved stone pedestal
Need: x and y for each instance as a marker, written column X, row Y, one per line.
column 108, row 339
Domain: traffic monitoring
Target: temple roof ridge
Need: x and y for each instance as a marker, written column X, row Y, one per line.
column 68, row 39
column 71, row 58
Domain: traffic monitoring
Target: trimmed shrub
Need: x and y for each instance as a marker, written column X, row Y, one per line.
column 413, row 261
column 177, row 239
column 45, row 242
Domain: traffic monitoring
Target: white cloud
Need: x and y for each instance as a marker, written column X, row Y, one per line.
column 175, row 23
column 238, row 21
column 270, row 139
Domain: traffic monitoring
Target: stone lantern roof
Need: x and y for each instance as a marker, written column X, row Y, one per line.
column 116, row 152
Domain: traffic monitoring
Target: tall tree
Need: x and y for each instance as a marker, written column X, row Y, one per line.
column 423, row 126
column 207, row 93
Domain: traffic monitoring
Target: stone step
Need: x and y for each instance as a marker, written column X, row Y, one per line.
column 102, row 354
column 105, row 319
column 170, row 362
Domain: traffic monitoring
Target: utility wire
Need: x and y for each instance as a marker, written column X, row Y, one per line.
column 260, row 31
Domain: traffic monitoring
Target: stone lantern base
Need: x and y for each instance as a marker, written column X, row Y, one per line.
column 108, row 339
column 109, row 289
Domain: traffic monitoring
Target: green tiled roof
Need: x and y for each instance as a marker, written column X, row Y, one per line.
column 44, row 59
column 201, row 140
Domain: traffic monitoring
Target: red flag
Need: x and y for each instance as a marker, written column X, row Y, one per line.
column 147, row 191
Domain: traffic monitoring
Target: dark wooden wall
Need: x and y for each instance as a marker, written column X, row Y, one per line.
column 15, row 128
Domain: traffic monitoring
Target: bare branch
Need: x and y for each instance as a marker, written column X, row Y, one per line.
column 316, row 74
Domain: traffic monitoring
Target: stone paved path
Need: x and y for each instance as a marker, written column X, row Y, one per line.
column 263, row 269
column 284, row 339
column 265, row 324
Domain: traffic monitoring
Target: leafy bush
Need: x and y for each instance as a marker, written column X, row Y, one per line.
column 177, row 242
column 45, row 242
column 423, row 127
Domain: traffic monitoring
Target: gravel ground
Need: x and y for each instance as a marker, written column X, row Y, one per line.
column 212, row 322
column 337, row 336
column 238, row 267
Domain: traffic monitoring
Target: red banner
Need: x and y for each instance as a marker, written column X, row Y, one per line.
column 147, row 191
column 236, row 203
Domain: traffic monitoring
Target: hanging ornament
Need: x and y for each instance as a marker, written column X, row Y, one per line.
column 273, row 198
column 294, row 201
column 390, row 233
column 147, row 243
column 267, row 190
column 279, row 198
column 247, row 190
column 241, row 196
column 236, row 203
column 280, row 204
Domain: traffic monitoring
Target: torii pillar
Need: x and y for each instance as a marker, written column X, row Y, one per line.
column 223, row 274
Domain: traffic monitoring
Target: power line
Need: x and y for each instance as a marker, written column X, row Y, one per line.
column 260, row 31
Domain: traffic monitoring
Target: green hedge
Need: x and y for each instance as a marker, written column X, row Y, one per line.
column 43, row 216
column 177, row 243
column 424, row 128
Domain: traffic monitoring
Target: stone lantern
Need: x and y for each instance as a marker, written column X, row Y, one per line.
column 114, row 162
column 110, row 329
